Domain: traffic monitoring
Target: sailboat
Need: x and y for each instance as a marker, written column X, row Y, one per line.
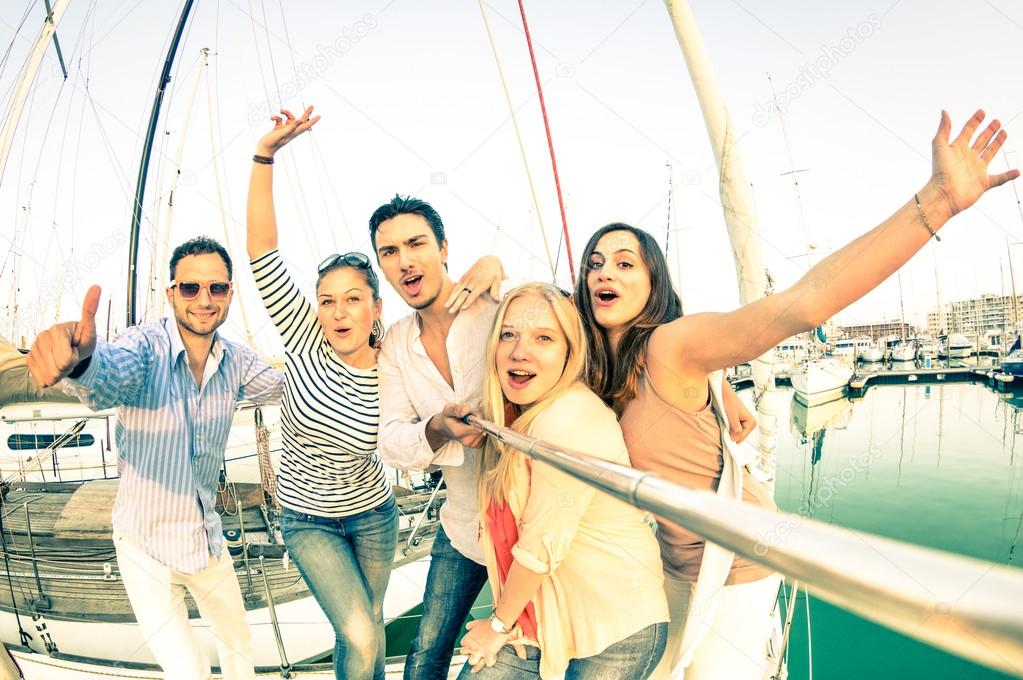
column 821, row 378
column 902, row 350
column 954, row 346
column 820, row 381
column 871, row 354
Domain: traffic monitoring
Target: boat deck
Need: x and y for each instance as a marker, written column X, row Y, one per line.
column 68, row 568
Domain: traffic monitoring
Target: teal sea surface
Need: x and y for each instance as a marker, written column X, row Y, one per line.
column 937, row 465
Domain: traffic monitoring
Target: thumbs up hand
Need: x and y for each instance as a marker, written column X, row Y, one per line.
column 58, row 349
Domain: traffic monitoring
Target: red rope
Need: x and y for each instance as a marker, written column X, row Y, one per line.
column 550, row 144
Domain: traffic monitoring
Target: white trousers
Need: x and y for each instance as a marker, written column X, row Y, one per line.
column 736, row 645
column 157, row 595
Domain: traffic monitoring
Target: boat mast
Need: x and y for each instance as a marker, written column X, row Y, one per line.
column 25, row 80
column 522, row 149
column 737, row 202
column 147, row 151
column 902, row 311
column 672, row 226
column 1012, row 279
column 163, row 235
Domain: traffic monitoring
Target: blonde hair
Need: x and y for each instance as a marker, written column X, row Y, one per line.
column 496, row 460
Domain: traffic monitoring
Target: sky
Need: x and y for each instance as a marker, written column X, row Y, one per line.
column 412, row 103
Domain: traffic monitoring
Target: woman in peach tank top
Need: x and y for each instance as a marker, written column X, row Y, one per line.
column 654, row 366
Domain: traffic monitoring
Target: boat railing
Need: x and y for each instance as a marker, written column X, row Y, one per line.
column 965, row 606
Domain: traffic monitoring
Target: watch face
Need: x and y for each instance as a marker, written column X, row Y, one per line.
column 497, row 626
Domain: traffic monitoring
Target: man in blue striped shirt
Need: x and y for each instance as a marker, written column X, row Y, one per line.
column 176, row 383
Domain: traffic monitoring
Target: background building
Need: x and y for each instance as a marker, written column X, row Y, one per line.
column 988, row 312
column 881, row 329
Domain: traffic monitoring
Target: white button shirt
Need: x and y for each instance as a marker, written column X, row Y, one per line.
column 412, row 390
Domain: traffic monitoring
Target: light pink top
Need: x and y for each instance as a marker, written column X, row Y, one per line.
column 685, row 447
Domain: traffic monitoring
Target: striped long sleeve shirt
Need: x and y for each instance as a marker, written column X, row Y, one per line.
column 171, row 434
column 331, row 412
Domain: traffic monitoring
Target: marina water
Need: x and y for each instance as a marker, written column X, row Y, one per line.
column 938, row 465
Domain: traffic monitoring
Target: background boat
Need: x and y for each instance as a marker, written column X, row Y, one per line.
column 819, row 381
column 955, row 346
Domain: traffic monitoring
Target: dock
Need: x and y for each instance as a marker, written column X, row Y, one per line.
column 992, row 376
column 859, row 382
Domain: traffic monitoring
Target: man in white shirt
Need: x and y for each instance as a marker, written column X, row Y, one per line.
column 431, row 372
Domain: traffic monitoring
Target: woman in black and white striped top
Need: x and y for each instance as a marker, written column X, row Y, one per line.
column 339, row 518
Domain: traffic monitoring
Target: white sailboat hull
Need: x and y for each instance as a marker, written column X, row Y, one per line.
column 904, row 353
column 43, row 667
column 96, row 457
column 305, row 631
column 821, row 381
column 871, row 355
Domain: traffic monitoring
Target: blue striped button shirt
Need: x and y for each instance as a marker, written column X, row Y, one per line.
column 171, row 434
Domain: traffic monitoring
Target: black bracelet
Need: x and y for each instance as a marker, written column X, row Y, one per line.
column 263, row 160
column 80, row 369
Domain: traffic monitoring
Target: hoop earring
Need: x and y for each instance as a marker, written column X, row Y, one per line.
column 377, row 334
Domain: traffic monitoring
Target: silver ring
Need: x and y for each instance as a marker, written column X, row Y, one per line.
column 467, row 290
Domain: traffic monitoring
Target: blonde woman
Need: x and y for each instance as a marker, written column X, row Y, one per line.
column 575, row 573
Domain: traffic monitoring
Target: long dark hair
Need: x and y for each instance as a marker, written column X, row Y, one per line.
column 614, row 376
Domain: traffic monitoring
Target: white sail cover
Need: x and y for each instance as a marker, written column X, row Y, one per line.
column 737, row 205
column 25, row 80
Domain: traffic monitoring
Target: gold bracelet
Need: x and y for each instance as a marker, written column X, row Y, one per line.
column 923, row 216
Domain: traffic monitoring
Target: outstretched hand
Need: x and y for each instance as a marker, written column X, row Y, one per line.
column 57, row 350
column 286, row 128
column 959, row 168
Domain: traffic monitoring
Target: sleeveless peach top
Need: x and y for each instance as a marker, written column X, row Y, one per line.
column 685, row 447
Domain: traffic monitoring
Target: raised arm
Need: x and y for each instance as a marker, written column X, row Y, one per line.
column 701, row 343
column 261, row 221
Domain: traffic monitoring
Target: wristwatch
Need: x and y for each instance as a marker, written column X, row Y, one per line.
column 497, row 626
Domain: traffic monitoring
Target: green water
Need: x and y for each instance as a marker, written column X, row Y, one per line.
column 401, row 631
column 937, row 465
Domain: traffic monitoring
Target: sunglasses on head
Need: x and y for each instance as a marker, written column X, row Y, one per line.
column 352, row 259
column 189, row 290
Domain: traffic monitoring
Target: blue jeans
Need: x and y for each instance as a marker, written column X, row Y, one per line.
column 452, row 585
column 633, row 658
column 346, row 562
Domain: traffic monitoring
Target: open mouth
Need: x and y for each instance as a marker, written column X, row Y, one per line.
column 413, row 284
column 519, row 378
column 605, row 296
column 203, row 316
column 342, row 332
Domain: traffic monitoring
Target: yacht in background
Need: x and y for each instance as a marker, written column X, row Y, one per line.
column 955, row 346
column 820, row 381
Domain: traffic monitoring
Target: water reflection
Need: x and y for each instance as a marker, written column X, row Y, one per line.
column 930, row 464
